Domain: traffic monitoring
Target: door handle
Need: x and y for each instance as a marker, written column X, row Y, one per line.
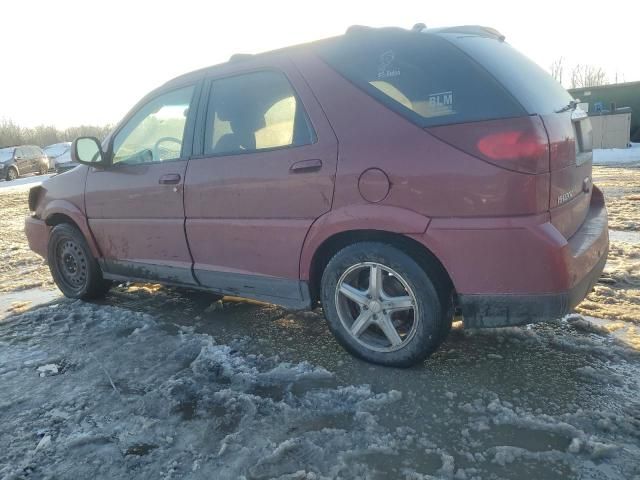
column 170, row 179
column 306, row 166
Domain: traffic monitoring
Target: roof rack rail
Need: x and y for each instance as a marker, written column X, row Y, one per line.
column 236, row 57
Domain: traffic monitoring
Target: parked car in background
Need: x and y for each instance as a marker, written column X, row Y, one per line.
column 60, row 156
column 392, row 176
column 22, row 159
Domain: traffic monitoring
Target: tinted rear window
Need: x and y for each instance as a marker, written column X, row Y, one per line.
column 535, row 89
column 421, row 76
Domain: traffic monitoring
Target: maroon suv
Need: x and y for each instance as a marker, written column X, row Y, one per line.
column 391, row 176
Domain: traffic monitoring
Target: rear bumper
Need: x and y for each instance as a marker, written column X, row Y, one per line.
column 522, row 270
column 485, row 311
column 37, row 233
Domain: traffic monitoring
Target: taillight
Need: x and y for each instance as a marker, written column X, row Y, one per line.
column 519, row 144
column 511, row 146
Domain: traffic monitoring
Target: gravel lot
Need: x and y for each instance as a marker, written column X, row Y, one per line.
column 157, row 383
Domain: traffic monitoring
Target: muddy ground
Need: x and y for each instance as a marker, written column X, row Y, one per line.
column 157, row 383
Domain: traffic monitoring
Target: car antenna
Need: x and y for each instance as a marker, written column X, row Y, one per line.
column 418, row 27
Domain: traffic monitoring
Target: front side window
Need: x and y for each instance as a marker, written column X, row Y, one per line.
column 253, row 112
column 156, row 132
column 27, row 152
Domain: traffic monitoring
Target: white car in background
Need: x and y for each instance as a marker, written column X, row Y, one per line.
column 60, row 156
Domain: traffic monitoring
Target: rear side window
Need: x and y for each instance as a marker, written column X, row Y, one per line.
column 421, row 76
column 536, row 90
column 253, row 112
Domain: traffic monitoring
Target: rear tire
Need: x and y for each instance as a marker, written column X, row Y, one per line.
column 398, row 319
column 73, row 267
column 12, row 174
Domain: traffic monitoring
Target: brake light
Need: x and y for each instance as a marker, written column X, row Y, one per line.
column 511, row 145
column 519, row 144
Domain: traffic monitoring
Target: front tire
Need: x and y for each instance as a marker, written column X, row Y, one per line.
column 383, row 306
column 12, row 174
column 73, row 267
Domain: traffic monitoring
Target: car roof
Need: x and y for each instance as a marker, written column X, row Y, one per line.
column 467, row 30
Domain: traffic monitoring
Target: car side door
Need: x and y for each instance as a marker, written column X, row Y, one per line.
column 135, row 205
column 265, row 173
column 38, row 159
column 21, row 157
column 34, row 158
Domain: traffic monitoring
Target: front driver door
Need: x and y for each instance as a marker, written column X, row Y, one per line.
column 22, row 160
column 135, row 206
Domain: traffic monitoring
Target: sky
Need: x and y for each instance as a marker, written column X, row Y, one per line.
column 66, row 63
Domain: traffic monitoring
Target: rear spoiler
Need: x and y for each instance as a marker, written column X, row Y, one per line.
column 476, row 30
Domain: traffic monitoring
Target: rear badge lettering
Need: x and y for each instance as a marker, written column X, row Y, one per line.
column 566, row 196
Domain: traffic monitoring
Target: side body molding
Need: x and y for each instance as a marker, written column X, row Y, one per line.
column 358, row 217
column 64, row 207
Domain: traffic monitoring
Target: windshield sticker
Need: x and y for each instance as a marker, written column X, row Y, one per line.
column 385, row 68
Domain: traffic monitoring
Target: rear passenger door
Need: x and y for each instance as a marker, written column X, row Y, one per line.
column 34, row 156
column 265, row 172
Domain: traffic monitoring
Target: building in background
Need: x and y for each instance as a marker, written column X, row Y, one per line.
column 601, row 99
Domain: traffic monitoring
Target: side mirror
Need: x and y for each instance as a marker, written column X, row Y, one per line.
column 87, row 150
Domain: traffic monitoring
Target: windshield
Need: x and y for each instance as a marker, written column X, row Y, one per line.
column 57, row 149
column 6, row 154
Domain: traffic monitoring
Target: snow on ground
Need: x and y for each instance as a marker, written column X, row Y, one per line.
column 629, row 157
column 160, row 383
column 22, row 183
column 101, row 391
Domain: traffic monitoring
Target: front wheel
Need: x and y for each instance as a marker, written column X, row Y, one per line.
column 383, row 306
column 12, row 174
column 73, row 267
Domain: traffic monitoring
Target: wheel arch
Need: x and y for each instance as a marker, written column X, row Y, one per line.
column 336, row 242
column 14, row 167
column 61, row 211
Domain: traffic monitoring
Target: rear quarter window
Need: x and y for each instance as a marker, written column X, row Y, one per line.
column 536, row 90
column 421, row 76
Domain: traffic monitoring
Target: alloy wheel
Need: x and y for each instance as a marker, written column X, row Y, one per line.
column 377, row 306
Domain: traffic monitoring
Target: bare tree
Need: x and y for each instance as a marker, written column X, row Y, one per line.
column 619, row 78
column 587, row 76
column 10, row 133
column 43, row 135
column 557, row 69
